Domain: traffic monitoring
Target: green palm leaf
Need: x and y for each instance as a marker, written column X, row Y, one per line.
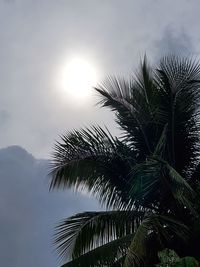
column 110, row 254
column 92, row 159
column 83, row 232
column 155, row 181
column 140, row 252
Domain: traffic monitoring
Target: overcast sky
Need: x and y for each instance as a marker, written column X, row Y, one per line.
column 29, row 212
column 37, row 37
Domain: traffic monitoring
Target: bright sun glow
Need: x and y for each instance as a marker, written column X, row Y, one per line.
column 78, row 77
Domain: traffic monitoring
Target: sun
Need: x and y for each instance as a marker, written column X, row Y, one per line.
column 78, row 76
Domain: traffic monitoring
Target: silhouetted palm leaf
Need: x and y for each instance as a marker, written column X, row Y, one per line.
column 109, row 254
column 92, row 159
column 152, row 167
column 139, row 252
column 85, row 231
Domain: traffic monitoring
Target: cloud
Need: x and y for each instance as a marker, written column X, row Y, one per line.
column 4, row 117
column 29, row 211
column 174, row 41
column 9, row 1
column 38, row 37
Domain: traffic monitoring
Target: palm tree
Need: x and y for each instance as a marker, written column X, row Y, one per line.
column 147, row 178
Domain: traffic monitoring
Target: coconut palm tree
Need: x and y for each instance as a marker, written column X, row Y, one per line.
column 147, row 178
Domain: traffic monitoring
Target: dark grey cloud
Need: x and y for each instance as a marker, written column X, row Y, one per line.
column 174, row 41
column 29, row 211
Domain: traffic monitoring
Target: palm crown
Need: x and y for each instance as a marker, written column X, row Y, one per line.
column 148, row 178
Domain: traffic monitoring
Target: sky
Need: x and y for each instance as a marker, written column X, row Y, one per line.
column 29, row 212
column 38, row 38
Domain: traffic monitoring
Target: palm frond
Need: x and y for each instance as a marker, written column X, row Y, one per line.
column 160, row 149
column 178, row 81
column 86, row 231
column 155, row 183
column 153, row 167
column 195, row 177
column 181, row 189
column 153, row 99
column 161, row 229
column 109, row 255
column 92, row 159
column 131, row 102
column 145, row 183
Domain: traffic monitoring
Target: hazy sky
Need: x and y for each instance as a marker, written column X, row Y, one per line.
column 37, row 38
column 29, row 212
